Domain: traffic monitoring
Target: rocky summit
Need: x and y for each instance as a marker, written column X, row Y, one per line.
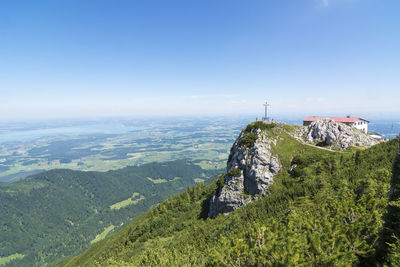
column 250, row 171
column 252, row 164
column 326, row 132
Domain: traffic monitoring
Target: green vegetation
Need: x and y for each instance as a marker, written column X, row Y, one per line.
column 103, row 234
column 56, row 214
column 389, row 249
column 251, row 136
column 5, row 260
column 289, row 127
column 259, row 125
column 234, row 172
column 157, row 181
column 330, row 210
column 248, row 140
column 127, row 202
column 212, row 165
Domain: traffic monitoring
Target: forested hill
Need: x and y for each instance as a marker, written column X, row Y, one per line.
column 324, row 208
column 58, row 213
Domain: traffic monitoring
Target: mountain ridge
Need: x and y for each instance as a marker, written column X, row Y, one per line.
column 325, row 207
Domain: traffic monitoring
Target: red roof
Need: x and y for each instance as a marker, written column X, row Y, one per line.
column 336, row 119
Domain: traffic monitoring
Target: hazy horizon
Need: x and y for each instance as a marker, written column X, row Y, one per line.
column 286, row 118
column 276, row 116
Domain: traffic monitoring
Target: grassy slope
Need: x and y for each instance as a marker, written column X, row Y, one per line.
column 329, row 211
column 56, row 214
column 103, row 234
column 5, row 260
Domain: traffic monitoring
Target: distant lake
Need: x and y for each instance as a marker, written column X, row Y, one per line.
column 92, row 128
column 389, row 129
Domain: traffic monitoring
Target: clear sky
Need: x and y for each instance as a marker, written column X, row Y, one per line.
column 93, row 58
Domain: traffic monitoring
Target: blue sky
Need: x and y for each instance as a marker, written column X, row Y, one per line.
column 96, row 58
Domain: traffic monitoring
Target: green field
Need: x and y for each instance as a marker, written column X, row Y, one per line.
column 211, row 165
column 157, row 181
column 130, row 201
column 103, row 234
column 5, row 260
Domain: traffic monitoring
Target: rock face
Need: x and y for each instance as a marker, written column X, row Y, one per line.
column 254, row 168
column 252, row 165
column 326, row 132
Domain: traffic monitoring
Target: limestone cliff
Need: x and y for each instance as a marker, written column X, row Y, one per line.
column 250, row 170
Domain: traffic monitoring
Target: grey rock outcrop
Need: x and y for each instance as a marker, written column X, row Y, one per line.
column 326, row 132
column 257, row 167
column 251, row 167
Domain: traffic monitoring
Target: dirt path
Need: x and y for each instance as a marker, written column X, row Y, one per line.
column 323, row 148
column 319, row 147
